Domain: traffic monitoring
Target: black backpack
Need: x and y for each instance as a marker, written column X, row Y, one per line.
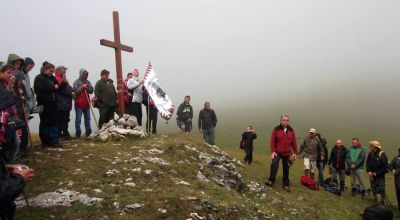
column 377, row 212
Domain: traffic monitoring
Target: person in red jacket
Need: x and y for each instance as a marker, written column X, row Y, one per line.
column 283, row 146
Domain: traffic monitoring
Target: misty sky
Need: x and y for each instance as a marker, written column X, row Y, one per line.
column 236, row 54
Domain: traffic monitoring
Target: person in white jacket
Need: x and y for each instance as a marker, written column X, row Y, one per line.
column 135, row 88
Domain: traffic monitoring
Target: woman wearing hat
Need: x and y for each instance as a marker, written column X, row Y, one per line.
column 377, row 167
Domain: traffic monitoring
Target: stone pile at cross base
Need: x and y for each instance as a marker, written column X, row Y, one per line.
column 120, row 127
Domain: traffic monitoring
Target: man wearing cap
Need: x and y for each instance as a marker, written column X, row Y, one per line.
column 283, row 146
column 106, row 96
column 82, row 88
column 309, row 151
column 64, row 102
column 377, row 167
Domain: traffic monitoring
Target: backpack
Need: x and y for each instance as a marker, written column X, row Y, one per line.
column 308, row 182
column 242, row 144
column 95, row 102
column 377, row 212
column 127, row 97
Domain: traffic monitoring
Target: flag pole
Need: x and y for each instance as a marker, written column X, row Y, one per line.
column 148, row 109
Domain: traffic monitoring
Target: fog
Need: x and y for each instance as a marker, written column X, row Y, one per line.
column 332, row 65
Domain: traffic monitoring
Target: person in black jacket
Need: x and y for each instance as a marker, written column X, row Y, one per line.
column 207, row 123
column 377, row 167
column 321, row 162
column 185, row 115
column 8, row 115
column 64, row 98
column 395, row 168
column 337, row 163
column 151, row 112
column 247, row 140
column 46, row 86
column 12, row 180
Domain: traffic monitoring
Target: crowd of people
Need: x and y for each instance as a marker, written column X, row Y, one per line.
column 355, row 161
column 52, row 97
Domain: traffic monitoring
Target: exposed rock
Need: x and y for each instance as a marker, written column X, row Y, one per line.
column 201, row 177
column 148, row 172
column 113, row 172
column 60, row 197
column 133, row 206
column 120, row 127
column 131, row 184
column 197, row 216
column 97, row 190
column 157, row 160
column 255, row 187
column 182, row 183
column 162, row 211
column 137, row 160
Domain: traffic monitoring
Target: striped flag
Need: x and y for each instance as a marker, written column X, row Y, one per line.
column 158, row 96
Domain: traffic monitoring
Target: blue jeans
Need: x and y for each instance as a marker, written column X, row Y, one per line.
column 321, row 167
column 86, row 115
column 209, row 135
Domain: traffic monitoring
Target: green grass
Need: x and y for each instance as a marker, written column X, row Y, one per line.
column 55, row 169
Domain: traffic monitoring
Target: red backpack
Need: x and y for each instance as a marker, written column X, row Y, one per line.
column 308, row 182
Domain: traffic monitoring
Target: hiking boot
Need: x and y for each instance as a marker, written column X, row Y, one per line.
column 286, row 188
column 57, row 145
column 269, row 183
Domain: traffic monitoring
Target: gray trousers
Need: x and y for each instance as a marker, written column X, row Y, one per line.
column 209, row 136
column 341, row 173
column 358, row 175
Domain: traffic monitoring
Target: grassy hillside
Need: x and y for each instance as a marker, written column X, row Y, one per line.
column 160, row 190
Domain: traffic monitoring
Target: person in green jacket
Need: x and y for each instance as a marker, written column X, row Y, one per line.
column 106, row 96
column 356, row 160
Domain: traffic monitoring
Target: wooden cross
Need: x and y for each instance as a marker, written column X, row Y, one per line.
column 118, row 48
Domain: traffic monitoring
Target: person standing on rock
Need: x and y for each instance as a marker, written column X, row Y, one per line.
column 151, row 112
column 247, row 141
column 356, row 160
column 207, row 123
column 309, row 151
column 185, row 115
column 82, row 88
column 377, row 167
column 135, row 88
column 106, row 96
column 337, row 163
column 283, row 146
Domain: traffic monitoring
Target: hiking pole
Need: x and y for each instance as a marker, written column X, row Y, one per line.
column 26, row 200
column 388, row 202
column 91, row 109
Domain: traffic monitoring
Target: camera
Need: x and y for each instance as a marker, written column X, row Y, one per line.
column 22, row 167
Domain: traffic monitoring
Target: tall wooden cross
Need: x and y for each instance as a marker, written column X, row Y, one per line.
column 118, row 47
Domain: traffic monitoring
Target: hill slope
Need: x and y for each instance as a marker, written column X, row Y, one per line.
column 170, row 177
